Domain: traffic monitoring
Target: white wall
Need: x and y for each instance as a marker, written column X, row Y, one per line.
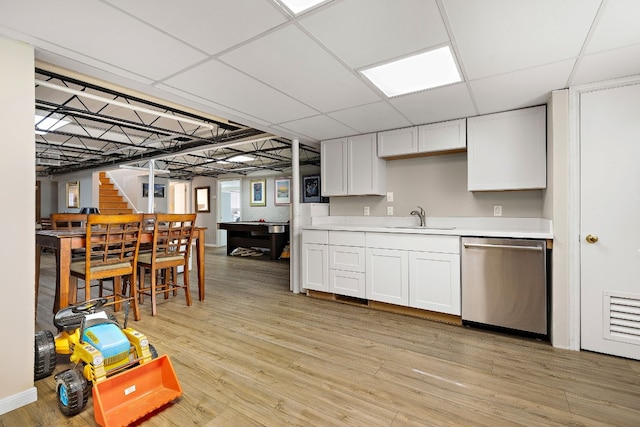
column 17, row 172
column 439, row 185
column 88, row 190
column 207, row 219
column 48, row 197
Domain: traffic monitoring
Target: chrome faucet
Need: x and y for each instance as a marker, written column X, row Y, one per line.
column 420, row 214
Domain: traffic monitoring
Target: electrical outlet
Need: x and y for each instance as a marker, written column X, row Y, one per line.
column 389, row 196
column 389, row 210
column 497, row 211
column 366, row 210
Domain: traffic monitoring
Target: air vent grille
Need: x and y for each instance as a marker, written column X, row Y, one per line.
column 622, row 313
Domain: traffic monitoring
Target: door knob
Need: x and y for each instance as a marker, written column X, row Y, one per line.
column 591, row 238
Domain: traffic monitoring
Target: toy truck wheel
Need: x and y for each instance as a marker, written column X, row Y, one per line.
column 44, row 355
column 72, row 392
column 153, row 351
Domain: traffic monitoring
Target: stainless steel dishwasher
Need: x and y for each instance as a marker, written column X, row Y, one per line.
column 504, row 283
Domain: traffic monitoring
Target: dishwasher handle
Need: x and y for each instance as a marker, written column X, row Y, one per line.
column 493, row 246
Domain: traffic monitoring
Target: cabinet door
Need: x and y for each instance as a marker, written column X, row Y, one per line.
column 366, row 172
column 398, row 142
column 445, row 136
column 434, row 282
column 333, row 159
column 315, row 267
column 386, row 276
column 507, row 151
column 349, row 283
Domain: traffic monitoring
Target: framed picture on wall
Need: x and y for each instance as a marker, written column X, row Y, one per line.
column 257, row 192
column 282, row 190
column 202, row 199
column 158, row 190
column 73, row 194
column 311, row 189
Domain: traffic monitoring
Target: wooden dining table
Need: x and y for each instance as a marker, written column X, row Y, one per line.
column 63, row 241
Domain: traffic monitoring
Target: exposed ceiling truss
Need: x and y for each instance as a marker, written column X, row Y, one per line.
column 82, row 126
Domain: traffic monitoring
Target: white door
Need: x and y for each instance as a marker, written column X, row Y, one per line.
column 178, row 197
column 228, row 205
column 610, row 221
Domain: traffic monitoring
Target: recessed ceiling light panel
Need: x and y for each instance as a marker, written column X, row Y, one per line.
column 298, row 6
column 48, row 124
column 415, row 73
column 241, row 158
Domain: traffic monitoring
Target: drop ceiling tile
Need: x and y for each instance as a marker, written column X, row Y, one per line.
column 436, row 105
column 507, row 91
column 371, row 118
column 617, row 27
column 290, row 61
column 319, row 128
column 362, row 32
column 598, row 66
column 211, row 26
column 221, row 84
column 130, row 45
column 501, row 36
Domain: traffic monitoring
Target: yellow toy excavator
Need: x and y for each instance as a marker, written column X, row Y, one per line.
column 127, row 377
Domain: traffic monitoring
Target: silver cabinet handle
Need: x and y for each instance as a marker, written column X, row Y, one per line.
column 487, row 245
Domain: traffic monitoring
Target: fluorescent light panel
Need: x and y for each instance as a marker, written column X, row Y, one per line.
column 297, row 6
column 236, row 159
column 48, row 124
column 415, row 73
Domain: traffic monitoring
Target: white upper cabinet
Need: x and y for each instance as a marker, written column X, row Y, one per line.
column 351, row 167
column 333, row 161
column 435, row 138
column 398, row 142
column 445, row 136
column 507, row 151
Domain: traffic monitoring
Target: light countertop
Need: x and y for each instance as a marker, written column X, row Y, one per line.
column 524, row 228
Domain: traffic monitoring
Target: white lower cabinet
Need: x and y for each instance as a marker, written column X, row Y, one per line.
column 315, row 260
column 346, row 270
column 419, row 271
column 350, row 283
column 387, row 278
column 434, row 282
column 315, row 267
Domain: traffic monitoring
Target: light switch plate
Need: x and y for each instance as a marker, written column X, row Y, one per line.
column 389, row 196
column 497, row 211
column 366, row 210
column 389, row 210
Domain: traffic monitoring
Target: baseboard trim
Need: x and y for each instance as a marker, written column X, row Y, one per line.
column 18, row 400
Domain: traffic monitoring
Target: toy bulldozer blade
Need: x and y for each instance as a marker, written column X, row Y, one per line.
column 134, row 393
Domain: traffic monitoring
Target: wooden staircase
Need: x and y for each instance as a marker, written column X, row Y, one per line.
column 110, row 200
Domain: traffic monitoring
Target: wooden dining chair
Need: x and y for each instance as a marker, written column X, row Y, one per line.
column 68, row 221
column 112, row 243
column 172, row 237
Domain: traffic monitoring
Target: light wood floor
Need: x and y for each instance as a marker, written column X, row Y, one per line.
column 255, row 354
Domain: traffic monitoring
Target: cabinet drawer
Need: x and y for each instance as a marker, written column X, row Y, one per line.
column 320, row 237
column 415, row 242
column 347, row 258
column 346, row 238
column 348, row 283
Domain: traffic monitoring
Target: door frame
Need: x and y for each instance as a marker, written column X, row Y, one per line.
column 574, row 201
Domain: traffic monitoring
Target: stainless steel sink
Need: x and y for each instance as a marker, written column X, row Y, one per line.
column 421, row 227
